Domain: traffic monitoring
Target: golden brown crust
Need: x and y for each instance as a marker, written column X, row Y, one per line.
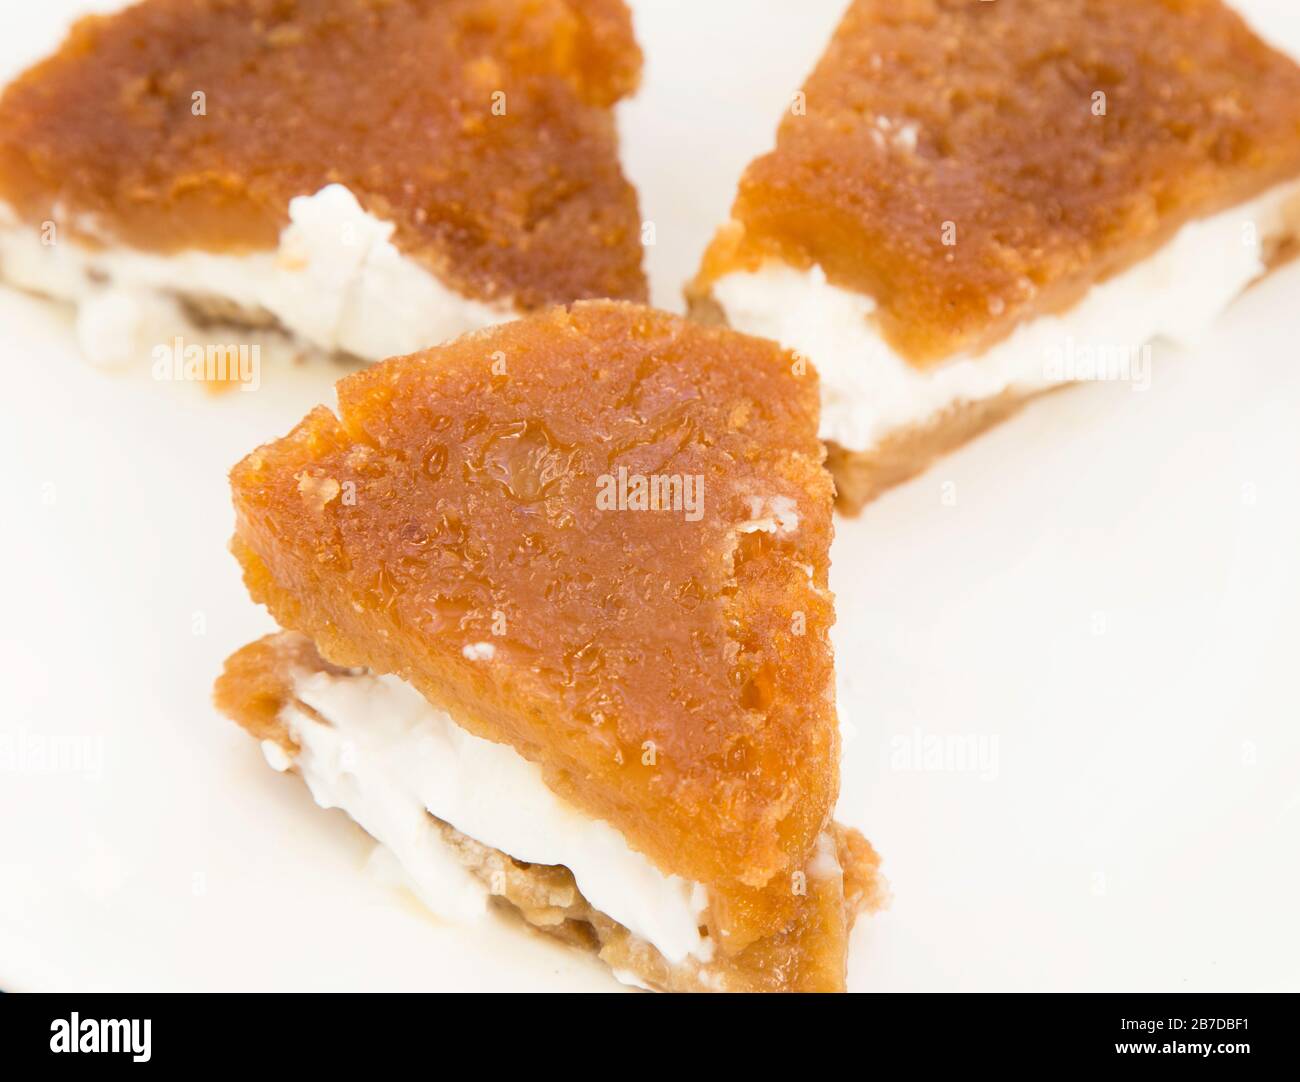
column 517, row 198
column 257, row 681
column 808, row 955
column 934, row 120
column 861, row 476
column 671, row 676
column 865, row 889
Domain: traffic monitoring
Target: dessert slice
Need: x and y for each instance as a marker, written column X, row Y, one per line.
column 557, row 623
column 373, row 176
column 971, row 203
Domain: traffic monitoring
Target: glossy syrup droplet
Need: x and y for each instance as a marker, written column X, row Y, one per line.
column 526, row 460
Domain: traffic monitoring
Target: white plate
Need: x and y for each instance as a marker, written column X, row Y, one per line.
column 1101, row 600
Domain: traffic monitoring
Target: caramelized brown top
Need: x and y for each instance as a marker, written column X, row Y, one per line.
column 459, row 524
column 976, row 123
column 809, row 954
column 481, row 128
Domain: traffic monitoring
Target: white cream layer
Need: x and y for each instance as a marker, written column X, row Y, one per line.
column 869, row 391
column 388, row 757
column 336, row 281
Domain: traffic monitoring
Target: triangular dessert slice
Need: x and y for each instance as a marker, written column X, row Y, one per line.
column 971, row 203
column 372, row 177
column 558, row 599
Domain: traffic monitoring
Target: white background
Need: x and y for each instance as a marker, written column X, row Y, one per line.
column 1102, row 595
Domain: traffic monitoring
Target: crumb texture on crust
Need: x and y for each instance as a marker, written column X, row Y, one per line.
column 861, row 476
column 807, row 955
column 672, row 675
column 971, row 165
column 480, row 128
